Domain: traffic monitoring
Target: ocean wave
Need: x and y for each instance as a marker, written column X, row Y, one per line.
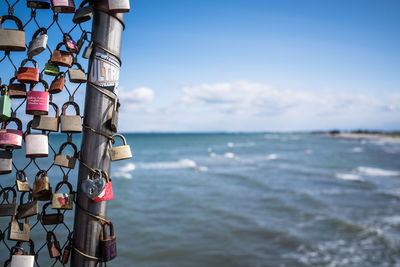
column 230, row 144
column 377, row 172
column 128, row 167
column 357, row 150
column 229, row 155
column 122, row 175
column 272, row 156
column 179, row 164
column 212, row 154
column 348, row 176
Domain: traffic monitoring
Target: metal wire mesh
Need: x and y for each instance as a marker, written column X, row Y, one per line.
column 56, row 25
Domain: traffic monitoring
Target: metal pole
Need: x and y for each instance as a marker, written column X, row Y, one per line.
column 107, row 33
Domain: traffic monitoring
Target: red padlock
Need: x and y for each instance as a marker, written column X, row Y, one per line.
column 37, row 103
column 10, row 138
column 107, row 193
column 28, row 74
column 63, row 6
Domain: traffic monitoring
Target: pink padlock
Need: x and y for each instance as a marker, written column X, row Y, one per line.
column 37, row 103
column 11, row 138
column 63, row 6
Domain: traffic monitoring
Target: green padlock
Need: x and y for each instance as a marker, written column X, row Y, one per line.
column 5, row 104
column 51, row 69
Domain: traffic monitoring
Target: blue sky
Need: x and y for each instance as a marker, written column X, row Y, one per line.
column 272, row 65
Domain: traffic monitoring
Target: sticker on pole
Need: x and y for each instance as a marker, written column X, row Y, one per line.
column 105, row 71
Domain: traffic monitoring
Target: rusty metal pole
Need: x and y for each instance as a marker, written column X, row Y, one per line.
column 106, row 34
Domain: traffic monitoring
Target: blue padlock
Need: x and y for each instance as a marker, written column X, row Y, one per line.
column 39, row 4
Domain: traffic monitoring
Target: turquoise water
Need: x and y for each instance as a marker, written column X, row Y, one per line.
column 255, row 200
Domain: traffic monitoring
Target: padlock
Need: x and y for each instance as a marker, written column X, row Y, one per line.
column 107, row 193
column 12, row 40
column 114, row 116
column 61, row 57
column 70, row 44
column 53, row 246
column 36, row 145
column 63, row 201
column 71, row 123
column 83, row 13
column 22, row 181
column 120, row 152
column 21, row 259
column 19, row 231
column 67, row 250
column 66, row 161
column 11, row 138
column 45, row 123
column 51, row 219
column 16, row 90
column 28, row 74
column 37, row 102
column 51, row 69
column 38, row 43
column 63, row 6
column 94, row 184
column 108, row 244
column 5, row 103
column 39, row 4
column 41, row 189
column 8, row 209
column 118, row 6
column 5, row 161
column 29, row 208
column 88, row 50
column 81, row 40
column 57, row 84
column 77, row 75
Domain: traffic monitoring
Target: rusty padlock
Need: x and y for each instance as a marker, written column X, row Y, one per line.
column 66, row 161
column 22, row 181
column 8, row 209
column 29, row 208
column 57, row 84
column 67, row 250
column 53, row 246
column 51, row 219
column 46, row 123
column 120, row 152
column 61, row 57
column 63, row 201
column 41, row 189
column 108, row 244
column 16, row 90
column 28, row 75
column 71, row 123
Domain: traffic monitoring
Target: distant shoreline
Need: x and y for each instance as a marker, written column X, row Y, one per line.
column 386, row 137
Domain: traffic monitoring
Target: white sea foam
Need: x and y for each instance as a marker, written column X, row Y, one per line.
column 348, row 176
column 212, row 154
column 357, row 150
column 128, row 167
column 202, row 169
column 272, row 156
column 377, row 172
column 180, row 164
column 230, row 144
column 229, row 155
column 209, row 149
column 122, row 175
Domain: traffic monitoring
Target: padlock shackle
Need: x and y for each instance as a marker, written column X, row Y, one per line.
column 18, row 175
column 105, row 176
column 31, row 246
column 28, row 131
column 5, row 89
column 77, row 64
column 9, row 188
column 59, row 46
column 45, row 84
column 17, row 248
column 51, row 234
column 45, row 207
column 21, row 198
column 13, row 219
column 14, row 18
column 56, row 109
column 83, row 3
column 65, row 106
column 58, row 186
column 16, row 120
column 108, row 223
column 31, row 60
column 39, row 31
column 63, row 146
column 65, row 36
column 59, row 75
column 120, row 136
column 42, row 173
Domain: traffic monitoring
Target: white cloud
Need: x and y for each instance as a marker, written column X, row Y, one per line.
column 137, row 99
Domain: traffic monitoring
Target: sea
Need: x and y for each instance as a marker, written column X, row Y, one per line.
column 253, row 199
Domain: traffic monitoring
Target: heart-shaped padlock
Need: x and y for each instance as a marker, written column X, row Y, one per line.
column 94, row 184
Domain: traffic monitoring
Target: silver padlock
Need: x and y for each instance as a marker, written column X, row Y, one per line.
column 94, row 184
column 88, row 50
column 66, row 161
column 120, row 152
column 36, row 145
column 38, row 43
column 71, row 123
column 77, row 75
column 118, row 6
column 5, row 161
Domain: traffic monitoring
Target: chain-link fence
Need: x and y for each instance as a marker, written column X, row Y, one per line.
column 45, row 223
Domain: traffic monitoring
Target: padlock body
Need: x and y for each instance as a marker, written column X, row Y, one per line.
column 120, row 153
column 62, row 58
column 51, row 70
column 38, row 45
column 71, row 124
column 28, row 75
column 106, row 194
column 63, row 6
column 65, row 161
column 17, row 90
column 76, row 76
column 83, row 14
column 65, row 256
column 23, row 186
column 8, row 209
column 39, row 4
column 45, row 123
column 36, row 145
column 10, row 139
column 19, row 231
column 57, row 85
column 109, row 248
column 5, row 107
column 50, row 219
column 118, row 6
column 22, row 260
column 5, row 162
column 41, row 189
column 37, row 103
column 12, row 40
column 88, row 51
column 62, row 201
column 28, row 209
